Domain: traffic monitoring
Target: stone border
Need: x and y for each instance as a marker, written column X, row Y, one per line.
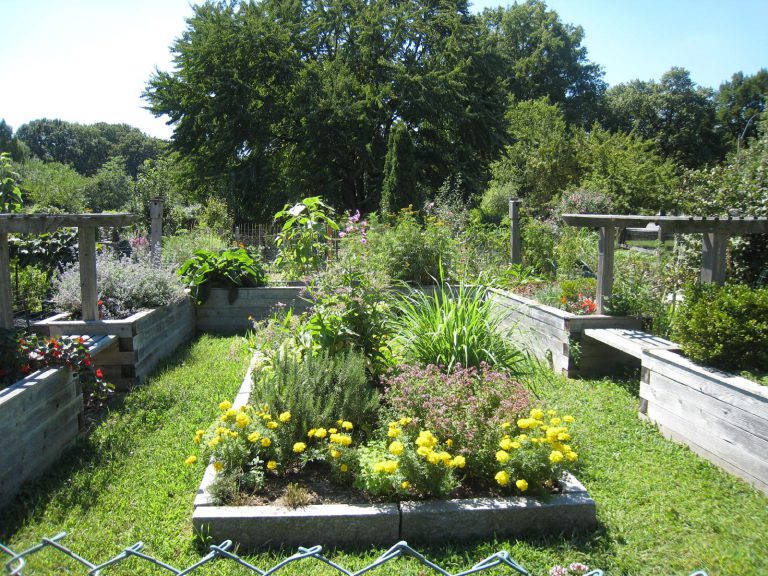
column 383, row 524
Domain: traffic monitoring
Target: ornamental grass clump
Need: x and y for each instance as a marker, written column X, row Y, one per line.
column 467, row 406
column 453, row 325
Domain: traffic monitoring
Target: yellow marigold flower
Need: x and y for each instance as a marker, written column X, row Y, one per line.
column 565, row 448
column 537, row 414
column 393, row 432
column 272, row 424
column 449, row 443
column 299, row 447
column 552, row 434
column 266, row 442
column 244, row 408
column 343, row 467
column 568, row 418
column 405, row 485
column 433, row 458
column 424, row 451
column 213, row 443
column 426, row 438
column 390, row 466
column 551, row 413
column 524, row 423
column 564, row 436
column 218, row 466
column 378, row 467
column 506, row 443
column 234, row 434
column 555, row 421
column 444, row 457
column 221, row 431
column 333, row 431
column 502, row 478
column 231, row 412
column 502, row 457
column 198, row 437
column 505, row 425
column 224, row 406
column 404, row 421
column 285, row 417
column 253, row 437
column 396, row 448
column 271, row 465
column 515, row 445
column 572, row 456
column 345, row 440
column 224, row 417
column 555, row 456
column 321, row 433
column 522, row 485
column 242, row 420
column 346, row 425
column 191, row 460
column 458, row 462
column 311, row 433
column 335, row 453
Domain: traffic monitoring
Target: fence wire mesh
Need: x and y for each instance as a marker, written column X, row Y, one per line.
column 18, row 562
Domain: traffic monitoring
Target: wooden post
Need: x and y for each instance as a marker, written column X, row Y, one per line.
column 6, row 299
column 515, row 252
column 714, row 245
column 156, row 234
column 605, row 250
column 89, row 293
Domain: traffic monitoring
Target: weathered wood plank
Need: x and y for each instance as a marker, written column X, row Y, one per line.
column 6, row 298
column 41, row 223
column 89, row 292
column 632, row 342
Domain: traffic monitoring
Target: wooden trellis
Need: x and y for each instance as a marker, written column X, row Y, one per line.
column 715, row 233
column 86, row 225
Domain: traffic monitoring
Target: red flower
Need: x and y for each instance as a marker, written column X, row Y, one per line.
column 25, row 369
column 99, row 373
column 87, row 361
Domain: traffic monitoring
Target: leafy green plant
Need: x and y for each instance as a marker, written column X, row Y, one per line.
column 10, row 193
column 318, row 389
column 304, row 239
column 231, row 269
column 726, row 327
column 450, row 326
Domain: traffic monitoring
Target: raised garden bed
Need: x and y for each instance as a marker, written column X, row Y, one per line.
column 555, row 336
column 143, row 339
column 720, row 416
column 218, row 315
column 386, row 523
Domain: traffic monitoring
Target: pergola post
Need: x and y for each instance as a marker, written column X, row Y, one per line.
column 156, row 230
column 713, row 250
column 515, row 249
column 605, row 250
column 6, row 301
column 88, row 288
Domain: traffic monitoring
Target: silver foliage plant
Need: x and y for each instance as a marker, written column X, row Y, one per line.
column 126, row 284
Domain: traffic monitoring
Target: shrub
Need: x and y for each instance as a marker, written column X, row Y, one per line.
column 726, row 327
column 304, row 239
column 539, row 239
column 317, row 389
column 230, row 269
column 466, row 406
column 452, row 326
column 584, row 201
column 181, row 247
column 126, row 285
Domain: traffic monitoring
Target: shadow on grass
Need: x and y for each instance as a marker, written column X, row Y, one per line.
column 86, row 454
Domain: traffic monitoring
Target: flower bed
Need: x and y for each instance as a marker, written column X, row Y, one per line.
column 555, row 335
column 144, row 338
column 384, row 523
column 722, row 417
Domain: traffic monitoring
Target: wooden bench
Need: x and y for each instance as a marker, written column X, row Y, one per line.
column 632, row 342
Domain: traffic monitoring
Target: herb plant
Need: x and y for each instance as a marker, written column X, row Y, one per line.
column 230, row 269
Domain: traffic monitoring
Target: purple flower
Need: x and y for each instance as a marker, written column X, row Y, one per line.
column 558, row 571
column 342, row 234
column 355, row 217
column 578, row 567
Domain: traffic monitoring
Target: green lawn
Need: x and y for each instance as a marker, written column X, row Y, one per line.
column 662, row 510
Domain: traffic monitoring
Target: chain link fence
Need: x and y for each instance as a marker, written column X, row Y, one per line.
column 18, row 562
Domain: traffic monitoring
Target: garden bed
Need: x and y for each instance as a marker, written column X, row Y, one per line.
column 144, row 339
column 219, row 316
column 555, row 336
column 722, row 417
column 572, row 510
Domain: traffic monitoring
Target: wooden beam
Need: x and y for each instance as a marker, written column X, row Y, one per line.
column 713, row 257
column 605, row 250
column 515, row 251
column 673, row 224
column 6, row 300
column 89, row 292
column 41, row 223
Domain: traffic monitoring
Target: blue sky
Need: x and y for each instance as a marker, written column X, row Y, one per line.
column 88, row 60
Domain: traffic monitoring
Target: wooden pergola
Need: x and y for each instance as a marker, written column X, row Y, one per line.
column 715, row 232
column 86, row 225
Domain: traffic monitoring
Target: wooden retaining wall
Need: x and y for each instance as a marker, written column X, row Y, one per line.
column 40, row 416
column 217, row 315
column 144, row 339
column 722, row 417
column 555, row 336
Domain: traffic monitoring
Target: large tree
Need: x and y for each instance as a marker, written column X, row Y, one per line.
column 740, row 102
